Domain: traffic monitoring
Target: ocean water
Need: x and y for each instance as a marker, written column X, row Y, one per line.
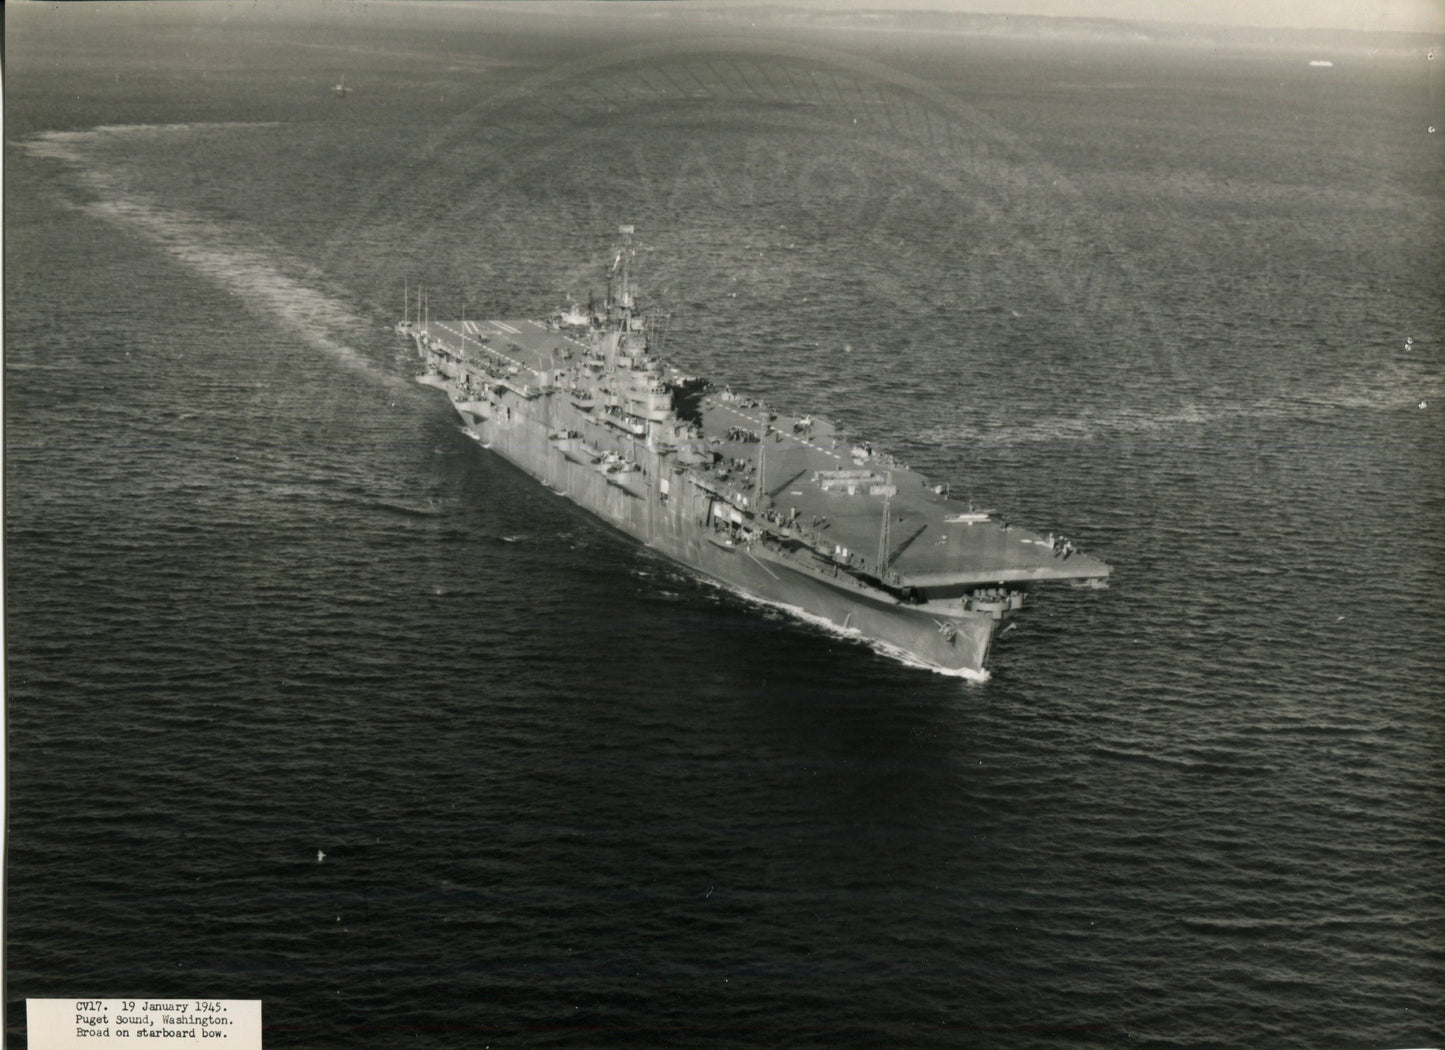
column 263, row 599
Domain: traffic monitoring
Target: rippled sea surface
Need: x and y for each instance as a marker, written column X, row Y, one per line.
column 263, row 599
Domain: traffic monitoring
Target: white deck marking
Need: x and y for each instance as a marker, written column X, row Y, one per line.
column 794, row 437
column 488, row 349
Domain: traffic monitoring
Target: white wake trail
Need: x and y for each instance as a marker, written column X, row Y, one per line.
column 258, row 276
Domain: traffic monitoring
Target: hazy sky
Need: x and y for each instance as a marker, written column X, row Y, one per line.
column 1408, row 15
column 1396, row 15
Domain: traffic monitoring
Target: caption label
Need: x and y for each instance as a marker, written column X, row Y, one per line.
column 64, row 1024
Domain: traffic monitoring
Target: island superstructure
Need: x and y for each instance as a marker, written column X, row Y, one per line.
column 780, row 506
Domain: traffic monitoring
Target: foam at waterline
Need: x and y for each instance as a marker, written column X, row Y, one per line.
column 851, row 634
column 216, row 253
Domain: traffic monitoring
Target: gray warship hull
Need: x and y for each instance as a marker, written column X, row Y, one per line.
column 777, row 506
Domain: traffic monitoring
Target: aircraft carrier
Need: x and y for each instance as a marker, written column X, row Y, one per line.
column 782, row 507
